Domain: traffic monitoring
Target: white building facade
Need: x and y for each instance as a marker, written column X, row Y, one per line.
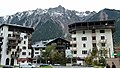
column 86, row 35
column 38, row 48
column 15, row 44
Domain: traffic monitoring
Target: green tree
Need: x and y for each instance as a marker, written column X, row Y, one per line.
column 49, row 50
column 102, row 61
column 59, row 58
column 94, row 52
column 88, row 60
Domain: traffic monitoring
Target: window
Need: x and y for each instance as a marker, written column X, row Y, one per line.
column 93, row 38
column 74, row 32
column 102, row 31
column 83, row 32
column 12, row 53
column 13, row 35
column 36, row 52
column 74, row 52
column 25, row 37
column 84, row 51
column 13, row 47
column 84, row 38
column 103, row 44
column 34, row 61
column 24, row 42
column 74, row 39
column 1, row 34
column 23, row 47
column 74, row 45
column 19, row 41
column 94, row 44
column 84, row 45
column 93, row 31
column 36, row 48
column 0, row 40
column 102, row 37
column 43, row 48
column 9, row 35
column 23, row 53
column 29, row 53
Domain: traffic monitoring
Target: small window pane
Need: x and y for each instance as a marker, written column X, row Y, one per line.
column 84, row 52
column 102, row 37
column 94, row 44
column 74, row 39
column 93, row 31
column 24, row 47
column 83, row 32
column 23, row 53
column 93, row 38
column 84, row 45
column 84, row 38
column 24, row 42
column 102, row 31
column 36, row 52
column 103, row 44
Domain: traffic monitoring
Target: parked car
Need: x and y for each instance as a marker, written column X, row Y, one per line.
column 7, row 66
column 56, row 64
column 44, row 65
column 75, row 64
column 26, row 65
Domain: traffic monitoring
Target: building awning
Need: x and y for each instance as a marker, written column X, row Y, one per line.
column 24, row 59
column 118, row 54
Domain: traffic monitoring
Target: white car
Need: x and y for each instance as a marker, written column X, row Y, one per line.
column 26, row 65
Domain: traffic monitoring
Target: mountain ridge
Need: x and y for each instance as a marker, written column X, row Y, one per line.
column 53, row 22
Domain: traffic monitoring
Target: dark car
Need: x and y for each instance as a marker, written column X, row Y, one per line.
column 75, row 64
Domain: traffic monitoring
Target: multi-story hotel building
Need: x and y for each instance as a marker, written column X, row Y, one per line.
column 86, row 35
column 15, row 44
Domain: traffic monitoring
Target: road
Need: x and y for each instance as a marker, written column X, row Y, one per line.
column 70, row 67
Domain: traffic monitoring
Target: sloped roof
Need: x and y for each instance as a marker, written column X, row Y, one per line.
column 18, row 26
column 55, row 40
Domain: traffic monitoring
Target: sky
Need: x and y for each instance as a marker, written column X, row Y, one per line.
column 9, row 7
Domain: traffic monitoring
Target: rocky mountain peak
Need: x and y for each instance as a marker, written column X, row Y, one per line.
column 53, row 22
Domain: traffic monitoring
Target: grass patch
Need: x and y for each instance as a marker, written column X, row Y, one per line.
column 46, row 67
column 16, row 66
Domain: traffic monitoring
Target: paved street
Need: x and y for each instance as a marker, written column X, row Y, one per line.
column 70, row 67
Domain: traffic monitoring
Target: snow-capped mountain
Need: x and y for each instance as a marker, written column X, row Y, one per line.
column 48, row 23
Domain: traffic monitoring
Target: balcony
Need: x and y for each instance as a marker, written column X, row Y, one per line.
column 29, row 37
column 16, row 33
column 19, row 38
column 73, row 35
column 103, row 41
column 1, row 37
column 18, row 50
column 73, row 48
column 94, row 41
column 8, row 49
column 0, row 49
column 15, row 38
column 12, row 56
column 12, row 44
column 11, row 38
column 73, row 42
